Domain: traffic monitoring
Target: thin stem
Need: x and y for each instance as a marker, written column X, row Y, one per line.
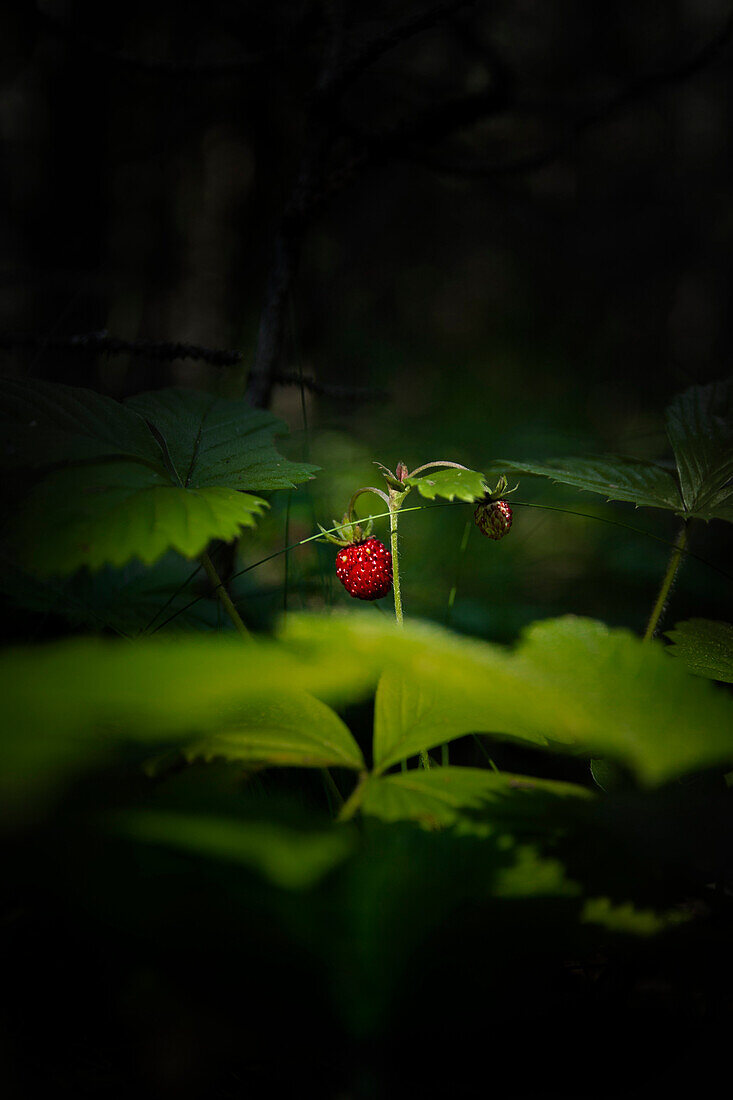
column 332, row 790
column 395, row 500
column 223, row 595
column 432, row 465
column 674, row 563
column 365, row 489
column 352, row 803
column 444, row 755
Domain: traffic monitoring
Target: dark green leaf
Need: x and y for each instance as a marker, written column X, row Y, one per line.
column 444, row 796
column 615, row 477
column 46, row 423
column 214, row 441
column 705, row 648
column 293, row 859
column 700, row 429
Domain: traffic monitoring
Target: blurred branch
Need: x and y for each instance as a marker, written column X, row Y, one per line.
column 636, row 91
column 167, row 351
column 352, row 68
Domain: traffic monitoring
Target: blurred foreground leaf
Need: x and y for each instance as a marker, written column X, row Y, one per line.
column 572, row 684
column 290, row 858
column 290, row 729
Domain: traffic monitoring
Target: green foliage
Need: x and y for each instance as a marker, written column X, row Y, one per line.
column 450, row 484
column 165, row 471
column 292, row 728
column 444, row 796
column 44, row 423
column 97, row 694
column 705, row 648
column 700, row 431
column 213, row 441
column 109, row 513
column 288, row 857
column 642, row 483
column 571, row 684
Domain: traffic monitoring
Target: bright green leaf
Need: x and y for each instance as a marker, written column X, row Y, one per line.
column 215, row 441
column 615, row 477
column 108, row 513
column 67, row 704
column 700, row 429
column 572, row 683
column 291, row 728
column 450, row 483
column 293, row 859
column 705, row 648
column 45, row 423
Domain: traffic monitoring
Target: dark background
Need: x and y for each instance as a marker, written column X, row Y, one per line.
column 486, row 230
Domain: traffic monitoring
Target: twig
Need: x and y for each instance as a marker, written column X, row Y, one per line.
column 167, row 351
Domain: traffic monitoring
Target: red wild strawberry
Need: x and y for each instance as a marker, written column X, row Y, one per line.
column 493, row 518
column 365, row 569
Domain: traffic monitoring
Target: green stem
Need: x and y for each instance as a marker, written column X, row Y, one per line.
column 674, row 563
column 352, row 803
column 395, row 500
column 223, row 595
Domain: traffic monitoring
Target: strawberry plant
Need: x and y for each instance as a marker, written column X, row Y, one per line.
column 251, row 762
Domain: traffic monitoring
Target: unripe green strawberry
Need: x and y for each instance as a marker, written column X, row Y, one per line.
column 365, row 569
column 493, row 518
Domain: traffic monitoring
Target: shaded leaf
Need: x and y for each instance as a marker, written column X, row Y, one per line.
column 450, row 483
column 290, row 858
column 290, row 729
column 700, row 429
column 705, row 648
column 215, row 441
column 615, row 477
column 108, row 513
column 44, row 423
column 443, row 796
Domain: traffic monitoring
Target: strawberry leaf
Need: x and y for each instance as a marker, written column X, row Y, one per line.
column 617, row 478
column 215, row 441
column 700, row 429
column 450, row 483
column 294, row 730
column 108, row 513
column 705, row 648
column 43, row 423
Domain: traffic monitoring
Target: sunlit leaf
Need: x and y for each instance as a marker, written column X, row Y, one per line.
column 571, row 684
column 614, row 477
column 289, row 729
column 107, row 513
column 214, row 441
column 450, row 483
column 69, row 703
column 705, row 647
column 291, row 858
column 43, row 423
column 700, row 429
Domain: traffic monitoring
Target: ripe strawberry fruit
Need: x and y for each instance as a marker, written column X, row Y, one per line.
column 493, row 518
column 365, row 569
